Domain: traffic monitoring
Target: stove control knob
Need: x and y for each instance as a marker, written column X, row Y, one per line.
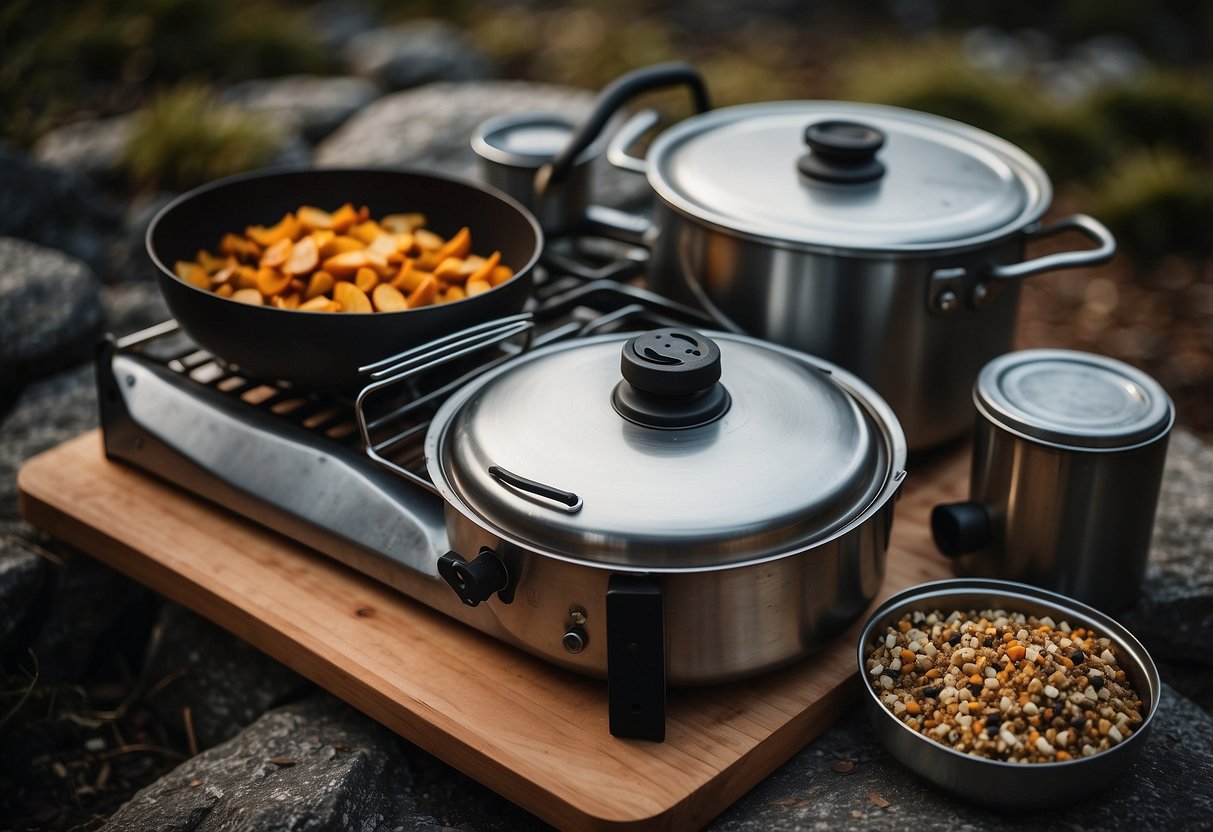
column 475, row 581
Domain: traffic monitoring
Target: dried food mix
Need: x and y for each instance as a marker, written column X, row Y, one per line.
column 344, row 261
column 1003, row 685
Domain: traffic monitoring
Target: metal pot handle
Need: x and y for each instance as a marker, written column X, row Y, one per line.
column 1085, row 225
column 628, row 135
column 610, row 100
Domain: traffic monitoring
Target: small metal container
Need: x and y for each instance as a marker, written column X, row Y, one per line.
column 512, row 148
column 994, row 782
column 1067, row 464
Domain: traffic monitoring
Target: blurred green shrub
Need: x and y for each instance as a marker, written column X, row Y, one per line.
column 102, row 55
column 184, row 137
column 1172, row 109
column 1157, row 204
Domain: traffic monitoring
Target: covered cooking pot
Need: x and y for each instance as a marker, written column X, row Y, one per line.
column 885, row 240
column 666, row 506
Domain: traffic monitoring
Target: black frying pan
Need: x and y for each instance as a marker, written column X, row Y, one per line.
column 323, row 351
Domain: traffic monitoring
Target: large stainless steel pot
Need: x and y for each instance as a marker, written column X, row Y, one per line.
column 888, row 241
column 667, row 507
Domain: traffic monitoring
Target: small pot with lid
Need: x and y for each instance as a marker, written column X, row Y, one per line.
column 666, row 507
column 1067, row 464
column 888, row 241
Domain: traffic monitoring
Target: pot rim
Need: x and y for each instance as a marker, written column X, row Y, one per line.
column 1028, row 170
column 864, row 395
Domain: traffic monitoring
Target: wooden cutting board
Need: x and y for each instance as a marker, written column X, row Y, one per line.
column 532, row 732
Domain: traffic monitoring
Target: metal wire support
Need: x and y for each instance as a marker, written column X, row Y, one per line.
column 417, row 361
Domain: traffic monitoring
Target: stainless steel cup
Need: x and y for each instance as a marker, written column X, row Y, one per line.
column 512, row 148
column 1067, row 463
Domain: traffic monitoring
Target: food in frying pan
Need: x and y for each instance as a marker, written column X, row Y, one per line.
column 344, row 261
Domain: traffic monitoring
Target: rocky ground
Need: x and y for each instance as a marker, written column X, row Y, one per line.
column 124, row 712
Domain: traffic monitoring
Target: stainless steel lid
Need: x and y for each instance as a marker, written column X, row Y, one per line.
column 552, row 453
column 527, row 140
column 1073, row 399
column 815, row 173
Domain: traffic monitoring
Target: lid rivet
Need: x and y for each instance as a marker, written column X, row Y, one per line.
column 946, row 301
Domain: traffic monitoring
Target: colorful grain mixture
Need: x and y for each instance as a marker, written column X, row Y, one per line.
column 1004, row 686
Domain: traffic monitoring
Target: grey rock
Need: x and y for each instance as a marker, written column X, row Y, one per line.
column 50, row 306
column 59, row 209
column 46, row 413
column 79, row 609
column 1166, row 788
column 20, row 577
column 335, row 770
column 226, row 683
column 132, row 306
column 411, row 54
column 1175, row 611
column 335, row 22
column 93, row 147
column 431, row 128
column 317, row 105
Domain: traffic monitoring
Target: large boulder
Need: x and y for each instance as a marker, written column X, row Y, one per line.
column 316, row 105
column 846, row 780
column 313, row 765
column 50, row 306
column 58, row 209
column 224, row 682
column 93, row 147
column 411, row 54
column 431, row 127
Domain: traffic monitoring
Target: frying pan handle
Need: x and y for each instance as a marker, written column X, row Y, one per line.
column 1089, row 227
column 610, row 100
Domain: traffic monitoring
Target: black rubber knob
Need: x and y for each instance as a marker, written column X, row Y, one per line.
column 842, row 152
column 671, row 379
column 476, row 581
column 960, row 528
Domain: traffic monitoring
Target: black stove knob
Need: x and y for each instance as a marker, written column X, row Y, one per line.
column 475, row 581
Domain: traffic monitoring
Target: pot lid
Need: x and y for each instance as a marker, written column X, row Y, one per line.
column 1074, row 399
column 847, row 175
column 571, row 452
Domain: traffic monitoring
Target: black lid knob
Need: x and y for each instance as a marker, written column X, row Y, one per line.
column 671, row 379
column 842, row 152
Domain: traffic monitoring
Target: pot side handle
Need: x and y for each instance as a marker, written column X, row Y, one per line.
column 1089, row 227
column 610, row 100
column 628, row 135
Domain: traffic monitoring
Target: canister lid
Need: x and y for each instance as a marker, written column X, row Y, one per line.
column 526, row 140
column 1073, row 398
column 847, row 176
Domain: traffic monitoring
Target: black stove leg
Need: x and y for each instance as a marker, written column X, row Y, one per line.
column 636, row 656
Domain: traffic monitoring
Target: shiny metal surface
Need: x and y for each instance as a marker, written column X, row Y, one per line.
column 944, row 184
column 1073, row 399
column 513, row 147
column 1077, row 520
column 869, row 314
column 720, row 624
column 993, row 782
column 796, row 457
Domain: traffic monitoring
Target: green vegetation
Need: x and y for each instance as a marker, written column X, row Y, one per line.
column 184, row 137
column 1142, row 150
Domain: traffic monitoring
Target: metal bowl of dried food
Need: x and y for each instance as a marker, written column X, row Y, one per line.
column 994, row 690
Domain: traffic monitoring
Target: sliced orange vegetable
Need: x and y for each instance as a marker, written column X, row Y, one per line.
column 387, row 298
column 351, row 298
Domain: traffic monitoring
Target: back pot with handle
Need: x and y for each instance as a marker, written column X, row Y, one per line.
column 888, row 241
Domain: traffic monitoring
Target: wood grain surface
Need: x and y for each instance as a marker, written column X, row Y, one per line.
column 532, row 732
